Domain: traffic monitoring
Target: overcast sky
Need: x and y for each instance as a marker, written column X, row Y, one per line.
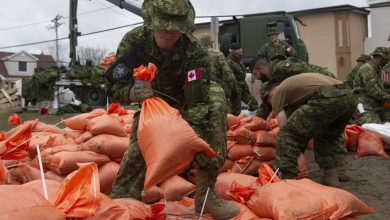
column 26, row 21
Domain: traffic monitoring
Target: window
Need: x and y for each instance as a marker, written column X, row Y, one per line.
column 22, row 66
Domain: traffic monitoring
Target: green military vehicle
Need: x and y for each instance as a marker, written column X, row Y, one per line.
column 251, row 31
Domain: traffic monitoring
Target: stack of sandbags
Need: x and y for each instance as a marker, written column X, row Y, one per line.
column 251, row 141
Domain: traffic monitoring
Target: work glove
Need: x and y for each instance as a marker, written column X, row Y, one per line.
column 201, row 160
column 141, row 91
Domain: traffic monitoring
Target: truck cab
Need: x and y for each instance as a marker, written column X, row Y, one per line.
column 252, row 32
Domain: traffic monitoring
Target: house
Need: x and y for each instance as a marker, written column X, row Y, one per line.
column 22, row 64
column 380, row 25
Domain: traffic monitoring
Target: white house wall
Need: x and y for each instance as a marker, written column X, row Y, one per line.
column 12, row 65
column 380, row 26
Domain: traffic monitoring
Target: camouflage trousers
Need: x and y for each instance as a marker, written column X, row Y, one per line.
column 246, row 96
column 130, row 180
column 322, row 118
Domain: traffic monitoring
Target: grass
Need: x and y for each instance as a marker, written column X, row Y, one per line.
column 30, row 115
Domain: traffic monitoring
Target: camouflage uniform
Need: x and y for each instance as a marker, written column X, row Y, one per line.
column 239, row 71
column 334, row 107
column 227, row 79
column 201, row 102
column 272, row 51
column 364, row 58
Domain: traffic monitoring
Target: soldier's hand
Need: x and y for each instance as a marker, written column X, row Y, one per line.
column 141, row 90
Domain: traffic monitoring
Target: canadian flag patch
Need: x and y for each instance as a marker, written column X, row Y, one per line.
column 192, row 75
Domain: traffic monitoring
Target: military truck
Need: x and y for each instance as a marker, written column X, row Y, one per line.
column 252, row 32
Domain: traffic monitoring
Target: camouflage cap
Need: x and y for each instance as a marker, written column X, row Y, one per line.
column 364, row 58
column 206, row 40
column 273, row 31
column 381, row 51
column 177, row 15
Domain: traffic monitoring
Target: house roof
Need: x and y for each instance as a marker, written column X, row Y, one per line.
column 44, row 61
column 333, row 8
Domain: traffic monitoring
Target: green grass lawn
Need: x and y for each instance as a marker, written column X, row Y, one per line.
column 31, row 115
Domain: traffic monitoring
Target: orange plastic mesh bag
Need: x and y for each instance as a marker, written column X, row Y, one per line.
column 167, row 142
column 78, row 196
column 370, row 143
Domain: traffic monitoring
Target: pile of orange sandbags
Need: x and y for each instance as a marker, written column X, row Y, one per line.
column 251, row 141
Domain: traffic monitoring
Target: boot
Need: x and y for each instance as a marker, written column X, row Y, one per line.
column 217, row 207
column 329, row 178
column 341, row 169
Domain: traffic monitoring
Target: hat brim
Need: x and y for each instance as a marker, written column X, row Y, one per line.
column 161, row 23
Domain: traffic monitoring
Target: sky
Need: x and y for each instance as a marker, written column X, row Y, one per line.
column 27, row 21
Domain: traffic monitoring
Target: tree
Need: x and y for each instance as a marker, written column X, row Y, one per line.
column 89, row 53
column 63, row 59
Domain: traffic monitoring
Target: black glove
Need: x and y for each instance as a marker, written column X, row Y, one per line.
column 141, row 91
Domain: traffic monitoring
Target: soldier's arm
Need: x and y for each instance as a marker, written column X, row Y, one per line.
column 374, row 89
column 262, row 51
column 119, row 75
column 290, row 51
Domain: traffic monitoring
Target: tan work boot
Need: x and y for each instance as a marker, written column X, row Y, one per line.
column 216, row 206
column 329, row 178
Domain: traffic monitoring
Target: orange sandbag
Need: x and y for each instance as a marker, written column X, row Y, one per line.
column 127, row 119
column 263, row 138
column 53, row 150
column 3, row 173
column 273, row 123
column 106, row 124
column 78, row 196
column 183, row 209
column 25, row 173
column 65, row 162
column 283, row 200
column 246, row 165
column 58, row 140
column 244, row 135
column 47, row 141
column 3, row 135
column 245, row 213
column 152, row 195
column 13, row 119
column 52, row 187
column 180, row 142
column 303, row 166
column 240, row 150
column 274, row 132
column 14, row 147
column 257, row 123
column 352, row 133
column 176, row 187
column 139, row 210
column 266, row 175
column 108, row 210
column 39, row 126
column 107, row 144
column 347, row 203
column 39, row 138
column 79, row 122
column 231, row 135
column 70, row 133
column 232, row 121
column 264, row 153
column 21, row 202
column 226, row 166
column 85, row 136
column 107, row 175
column 310, row 144
column 235, row 186
column 54, row 176
column 370, row 143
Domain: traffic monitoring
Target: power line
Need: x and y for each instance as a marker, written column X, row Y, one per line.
column 64, row 38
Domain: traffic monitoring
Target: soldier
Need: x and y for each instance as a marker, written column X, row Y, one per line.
column 370, row 88
column 225, row 77
column 311, row 105
column 364, row 58
column 166, row 40
column 239, row 70
column 276, row 48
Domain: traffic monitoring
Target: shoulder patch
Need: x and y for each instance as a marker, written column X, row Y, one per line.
column 119, row 71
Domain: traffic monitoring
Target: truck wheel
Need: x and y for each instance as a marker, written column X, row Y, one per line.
column 226, row 40
column 94, row 96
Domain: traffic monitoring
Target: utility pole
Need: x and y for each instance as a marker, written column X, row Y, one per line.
column 73, row 31
column 55, row 25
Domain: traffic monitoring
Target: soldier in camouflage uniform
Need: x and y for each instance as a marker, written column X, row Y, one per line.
column 166, row 40
column 239, row 70
column 371, row 89
column 276, row 47
column 272, row 74
column 386, row 107
column 311, row 105
column 364, row 58
column 225, row 77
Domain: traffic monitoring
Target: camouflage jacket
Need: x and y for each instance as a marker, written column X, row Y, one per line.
column 237, row 67
column 351, row 75
column 369, row 87
column 272, row 51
